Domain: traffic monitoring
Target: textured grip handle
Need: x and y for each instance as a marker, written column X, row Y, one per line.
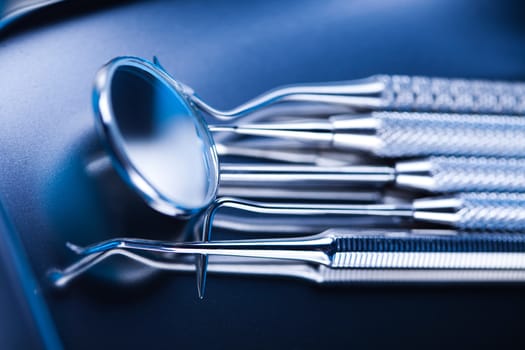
column 435, row 251
column 431, row 243
column 327, row 275
column 424, row 94
column 492, row 211
column 420, row 134
column 477, row 174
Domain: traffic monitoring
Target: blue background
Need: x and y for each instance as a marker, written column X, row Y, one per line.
column 229, row 51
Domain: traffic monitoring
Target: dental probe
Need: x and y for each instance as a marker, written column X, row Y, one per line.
column 395, row 134
column 433, row 174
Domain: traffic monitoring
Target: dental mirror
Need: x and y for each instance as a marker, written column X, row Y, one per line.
column 159, row 144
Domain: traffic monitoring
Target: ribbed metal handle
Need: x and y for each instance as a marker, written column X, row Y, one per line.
column 463, row 251
column 492, row 211
column 432, row 243
column 420, row 134
column 477, row 174
column 452, row 95
column 329, row 275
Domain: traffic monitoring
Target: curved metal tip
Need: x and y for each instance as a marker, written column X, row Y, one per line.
column 100, row 247
column 157, row 63
column 75, row 248
column 201, row 264
column 57, row 278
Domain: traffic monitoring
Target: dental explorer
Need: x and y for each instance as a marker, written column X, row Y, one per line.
column 395, row 134
column 433, row 174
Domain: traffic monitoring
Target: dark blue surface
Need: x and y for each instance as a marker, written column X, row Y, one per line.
column 25, row 321
column 230, row 51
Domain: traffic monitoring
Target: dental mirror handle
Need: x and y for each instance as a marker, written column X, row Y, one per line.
column 396, row 92
column 422, row 94
column 415, row 93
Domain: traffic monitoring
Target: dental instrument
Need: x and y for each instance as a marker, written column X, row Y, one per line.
column 433, row 174
column 318, row 274
column 164, row 150
column 167, row 155
column 401, row 134
column 301, row 193
column 339, row 249
column 377, row 92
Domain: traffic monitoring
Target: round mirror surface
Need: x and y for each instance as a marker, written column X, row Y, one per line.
column 164, row 147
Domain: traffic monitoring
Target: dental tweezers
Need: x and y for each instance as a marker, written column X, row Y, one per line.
column 341, row 249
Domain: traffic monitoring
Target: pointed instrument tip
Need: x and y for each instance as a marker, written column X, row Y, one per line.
column 202, row 266
column 56, row 277
column 157, row 63
column 75, row 248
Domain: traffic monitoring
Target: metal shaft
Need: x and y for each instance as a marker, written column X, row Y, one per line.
column 466, row 211
column 433, row 174
column 424, row 94
column 401, row 93
column 318, row 274
column 393, row 134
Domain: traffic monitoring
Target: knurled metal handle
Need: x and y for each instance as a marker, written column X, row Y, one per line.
column 477, row 174
column 424, row 94
column 443, row 251
column 432, row 243
column 421, row 134
column 329, row 275
column 492, row 211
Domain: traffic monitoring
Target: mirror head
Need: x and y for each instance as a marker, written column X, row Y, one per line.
column 158, row 142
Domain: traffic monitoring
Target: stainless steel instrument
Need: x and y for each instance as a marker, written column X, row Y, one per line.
column 315, row 273
column 280, row 191
column 395, row 134
column 340, row 249
column 164, row 150
column 303, row 155
column 396, row 92
column 465, row 211
column 433, row 174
